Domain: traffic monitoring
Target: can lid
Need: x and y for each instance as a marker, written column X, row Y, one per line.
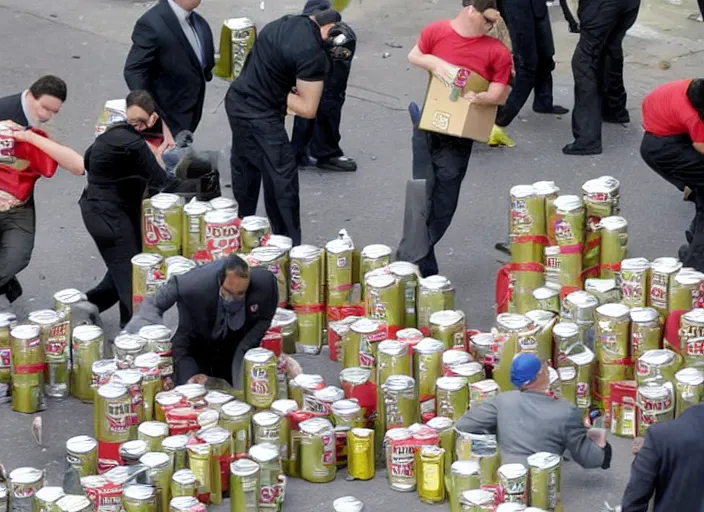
column 613, row 223
column 451, row 383
column 156, row 332
column 191, row 391
column 511, row 471
column 565, row 330
column 129, row 342
column 512, row 322
column 153, row 429
column 196, row 207
column 218, row 398
column 173, row 260
column 133, row 449
column 601, row 185
column 68, row 296
column 315, row 425
column 345, row 408
column 584, row 358
column 635, row 264
column 440, row 423
column 568, row 203
column 454, row 357
column 582, row 300
column 265, row 255
column 409, row 335
column 379, row 279
column 199, row 450
column 545, row 293
column 329, row 394
column 280, row 241
column 174, row 443
column 167, row 398
column 127, row 377
column 435, row 283
column 93, row 482
column 398, row 434
column 215, row 435
column 255, row 223
column 185, row 503
column 308, row 381
column 429, row 346
column 468, row 369
column 259, row 355
column 184, row 477
column 523, row 192
column 695, row 316
column 658, row 357
column 546, row 188
column 81, row 444
column 25, row 332
column 220, row 216
column 399, row 383
column 393, row 348
column 147, row 259
column 284, row 318
column 178, row 269
column 600, row 285
column 465, row 468
column 338, row 246
column 140, row 492
column 222, row 203
column 540, row 317
column 512, row 507
column 614, row 311
column 446, row 318
column 553, row 375
column 644, row 315
column 87, row 333
column 155, row 459
column 164, row 201
column 689, row 277
column 544, row 460
column 306, row 252
column 403, row 269
column 362, row 432
column 244, row 467
column 355, row 375
column 654, row 391
column 482, row 339
column 208, row 418
column 235, row 408
column 690, row 376
column 431, row 450
column 476, row 497
column 44, row 317
column 567, row 373
column 266, row 419
column 50, row 494
column 112, row 390
column 147, row 361
column 347, row 504
column 74, row 503
column 26, row 475
column 264, row 453
column 487, row 385
column 365, row 326
column 376, row 251
column 666, row 265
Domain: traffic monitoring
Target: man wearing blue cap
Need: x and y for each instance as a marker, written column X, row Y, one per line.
column 530, row 419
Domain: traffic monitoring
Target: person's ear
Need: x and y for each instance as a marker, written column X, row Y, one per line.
column 153, row 119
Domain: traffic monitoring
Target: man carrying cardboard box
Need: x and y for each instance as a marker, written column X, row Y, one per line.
column 445, row 48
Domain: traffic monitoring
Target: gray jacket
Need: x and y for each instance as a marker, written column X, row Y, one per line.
column 527, row 422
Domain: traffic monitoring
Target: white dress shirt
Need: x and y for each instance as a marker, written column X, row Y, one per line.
column 190, row 32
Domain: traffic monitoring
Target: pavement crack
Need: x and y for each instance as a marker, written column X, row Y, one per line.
column 375, row 102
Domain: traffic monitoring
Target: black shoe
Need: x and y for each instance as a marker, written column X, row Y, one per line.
column 621, row 118
column 304, row 161
column 555, row 109
column 13, row 290
column 578, row 150
column 338, row 163
column 504, row 247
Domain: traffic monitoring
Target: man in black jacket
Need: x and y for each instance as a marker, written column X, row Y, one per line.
column 172, row 57
column 669, row 466
column 224, row 309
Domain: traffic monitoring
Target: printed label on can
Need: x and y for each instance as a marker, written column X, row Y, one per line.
column 194, row 224
column 260, row 381
column 583, row 395
column 658, row 290
column 402, row 460
column 58, row 340
column 431, row 476
column 5, row 358
column 136, row 400
column 521, row 220
column 222, row 240
column 107, row 498
column 527, row 343
column 156, row 229
column 119, row 416
column 695, row 347
column 329, row 447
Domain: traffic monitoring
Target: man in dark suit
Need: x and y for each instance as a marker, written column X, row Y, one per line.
column 224, row 309
column 669, row 465
column 172, row 57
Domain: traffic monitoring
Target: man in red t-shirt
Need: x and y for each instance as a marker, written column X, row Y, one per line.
column 443, row 48
column 673, row 146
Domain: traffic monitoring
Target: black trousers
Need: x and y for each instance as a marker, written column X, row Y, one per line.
column 16, row 240
column 320, row 137
column 597, row 66
column 261, row 151
column 533, row 51
column 441, row 160
column 117, row 234
column 676, row 160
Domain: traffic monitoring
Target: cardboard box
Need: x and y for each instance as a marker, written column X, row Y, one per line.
column 458, row 118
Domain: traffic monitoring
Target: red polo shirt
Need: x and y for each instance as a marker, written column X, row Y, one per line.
column 667, row 112
column 31, row 163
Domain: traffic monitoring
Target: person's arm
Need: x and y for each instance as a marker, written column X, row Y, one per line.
column 435, row 65
column 584, row 451
column 499, row 88
column 148, row 166
column 479, row 420
column 141, row 57
column 152, row 310
column 699, row 146
column 304, row 102
column 64, row 156
column 644, row 474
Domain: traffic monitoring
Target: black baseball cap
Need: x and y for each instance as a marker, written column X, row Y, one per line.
column 327, row 17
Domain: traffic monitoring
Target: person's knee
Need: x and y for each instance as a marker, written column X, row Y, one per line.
column 15, row 261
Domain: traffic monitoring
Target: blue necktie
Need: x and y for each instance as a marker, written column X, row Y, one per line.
column 198, row 51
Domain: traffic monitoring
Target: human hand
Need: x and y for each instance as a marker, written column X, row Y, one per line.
column 598, row 435
column 446, row 72
column 470, row 96
column 292, row 367
column 11, row 125
column 200, row 378
column 637, row 445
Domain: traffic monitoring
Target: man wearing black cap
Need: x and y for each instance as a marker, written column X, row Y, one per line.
column 530, row 419
column 320, row 137
column 284, row 72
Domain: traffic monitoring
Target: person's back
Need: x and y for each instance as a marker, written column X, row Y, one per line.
column 667, row 111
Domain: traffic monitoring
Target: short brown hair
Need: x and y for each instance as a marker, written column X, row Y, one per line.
column 141, row 99
column 49, row 85
column 480, row 5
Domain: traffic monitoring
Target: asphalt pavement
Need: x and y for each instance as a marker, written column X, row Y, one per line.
column 86, row 41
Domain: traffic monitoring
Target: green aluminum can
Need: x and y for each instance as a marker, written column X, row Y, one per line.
column 45, row 499
column 153, row 433
column 513, row 479
column 271, row 489
column 186, row 504
column 684, row 289
column 82, row 455
column 303, row 385
column 339, row 258
column 7, row 322
column 126, row 347
column 427, row 368
column 482, row 448
column 54, row 332
column 568, row 383
column 317, row 450
column 183, row 483
column 64, row 301
column 614, row 245
column 567, row 341
column 527, row 221
column 244, row 486
column 662, row 275
column 159, row 475
column 260, row 379
column 24, row 483
column 452, row 397
column 147, row 277
column 569, row 221
column 445, row 429
column 175, row 448
column 322, row 399
column 284, row 408
column 287, row 321
column 399, row 404
column 148, row 366
column 193, row 229
column 605, row 290
column 163, row 224
column 219, row 440
column 657, row 365
column 74, row 503
column 689, row 383
column 634, row 280
column 199, row 457
column 435, row 293
column 465, row 475
column 384, row 301
column 132, row 380
column 87, row 346
column 346, row 415
column 158, row 339
column 545, row 321
column 477, row 500
column 306, row 295
column 373, row 257
column 236, row 418
column 547, row 299
column 545, row 469
column 656, row 404
column 139, row 498
column 276, row 261
column 584, row 365
column 28, row 365
column 361, row 344
column 252, row 230
column 613, row 328
column 430, row 474
column 646, row 331
column 400, row 459
column 450, row 327
column 266, row 427
column 482, row 390
column 408, row 275
column 393, row 359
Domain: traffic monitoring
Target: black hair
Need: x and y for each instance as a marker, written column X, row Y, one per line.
column 235, row 263
column 49, row 85
column 327, row 17
column 480, row 5
column 143, row 100
column 695, row 95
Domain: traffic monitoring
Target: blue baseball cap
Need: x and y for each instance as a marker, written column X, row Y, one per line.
column 525, row 369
